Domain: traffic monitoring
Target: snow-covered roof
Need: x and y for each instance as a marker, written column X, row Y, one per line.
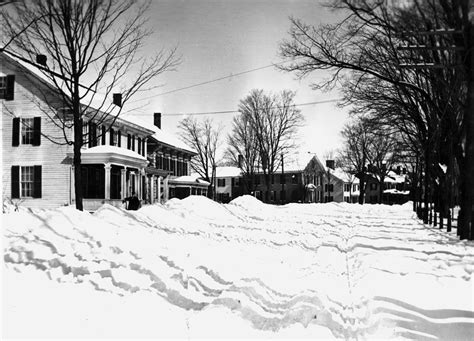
column 193, row 178
column 93, row 99
column 114, row 150
column 228, row 172
column 395, row 178
column 159, row 134
column 396, row 191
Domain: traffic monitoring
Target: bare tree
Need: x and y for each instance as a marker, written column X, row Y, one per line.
column 354, row 154
column 275, row 121
column 92, row 52
column 204, row 137
column 428, row 102
column 242, row 150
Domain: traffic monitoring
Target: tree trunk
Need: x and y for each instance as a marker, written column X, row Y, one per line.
column 362, row 189
column 77, row 162
column 467, row 178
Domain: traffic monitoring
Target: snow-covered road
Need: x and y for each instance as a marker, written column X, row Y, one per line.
column 195, row 268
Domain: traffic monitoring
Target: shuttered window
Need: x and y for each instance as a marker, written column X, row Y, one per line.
column 119, row 138
column 7, row 87
column 139, row 145
column 112, row 137
column 26, row 181
column 27, row 131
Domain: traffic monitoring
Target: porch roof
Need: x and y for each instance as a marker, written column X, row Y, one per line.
column 112, row 154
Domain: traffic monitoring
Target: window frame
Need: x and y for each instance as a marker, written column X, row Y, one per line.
column 27, row 130
column 30, row 182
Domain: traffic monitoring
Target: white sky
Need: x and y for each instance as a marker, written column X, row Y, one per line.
column 219, row 38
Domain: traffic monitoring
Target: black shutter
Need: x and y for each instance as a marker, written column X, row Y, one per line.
column 129, row 141
column 139, row 146
column 143, row 147
column 103, row 136
column 111, row 133
column 119, row 139
column 16, row 132
column 36, row 131
column 37, row 182
column 133, row 142
column 15, row 182
column 10, row 90
column 92, row 134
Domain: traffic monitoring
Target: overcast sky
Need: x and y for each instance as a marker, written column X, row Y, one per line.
column 221, row 38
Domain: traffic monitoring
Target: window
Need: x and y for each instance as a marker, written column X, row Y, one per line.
column 26, row 181
column 113, row 137
column 347, row 187
column 7, row 87
column 331, row 187
column 347, row 199
column 3, row 87
column 27, row 131
column 272, row 195
column 355, row 187
column 159, row 161
column 185, row 168
column 133, row 142
column 220, row 182
column 139, row 146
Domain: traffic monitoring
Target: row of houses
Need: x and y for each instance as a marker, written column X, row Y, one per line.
column 313, row 183
column 121, row 155
column 124, row 155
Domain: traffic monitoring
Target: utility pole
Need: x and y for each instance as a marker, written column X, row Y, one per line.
column 466, row 215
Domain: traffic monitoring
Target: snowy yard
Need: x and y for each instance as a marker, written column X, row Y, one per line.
column 195, row 268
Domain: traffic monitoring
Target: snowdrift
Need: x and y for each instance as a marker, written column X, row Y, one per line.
column 196, row 268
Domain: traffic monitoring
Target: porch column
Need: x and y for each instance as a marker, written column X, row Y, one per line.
column 123, row 186
column 166, row 190
column 151, row 194
column 107, row 181
column 158, row 189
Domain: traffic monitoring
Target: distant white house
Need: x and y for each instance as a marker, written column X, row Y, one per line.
column 227, row 183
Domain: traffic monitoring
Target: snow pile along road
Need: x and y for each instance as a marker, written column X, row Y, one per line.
column 195, row 268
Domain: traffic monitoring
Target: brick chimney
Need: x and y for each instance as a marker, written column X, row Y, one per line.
column 157, row 119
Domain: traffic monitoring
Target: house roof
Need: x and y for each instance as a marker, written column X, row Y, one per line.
column 189, row 179
column 228, row 172
column 159, row 134
column 41, row 77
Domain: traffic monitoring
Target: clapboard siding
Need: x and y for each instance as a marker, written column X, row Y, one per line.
column 29, row 102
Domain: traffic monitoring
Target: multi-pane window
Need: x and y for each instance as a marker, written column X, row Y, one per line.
column 85, row 135
column 3, row 87
column 27, row 130
column 220, row 182
column 26, row 181
column 347, row 187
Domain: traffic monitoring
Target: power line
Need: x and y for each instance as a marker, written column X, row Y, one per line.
column 236, row 111
column 210, row 81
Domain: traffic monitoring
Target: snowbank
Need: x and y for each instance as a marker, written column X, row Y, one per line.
column 195, row 268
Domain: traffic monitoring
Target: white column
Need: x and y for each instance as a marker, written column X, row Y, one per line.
column 159, row 189
column 166, row 189
column 151, row 193
column 107, row 168
column 123, row 189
